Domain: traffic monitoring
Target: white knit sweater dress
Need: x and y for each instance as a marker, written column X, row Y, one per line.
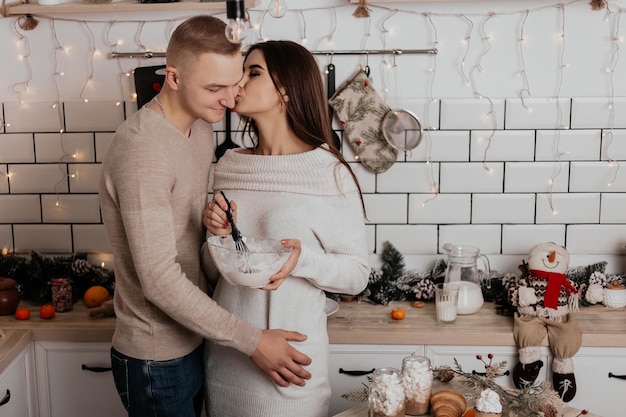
column 307, row 196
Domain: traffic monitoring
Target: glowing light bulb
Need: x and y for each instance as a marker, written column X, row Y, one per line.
column 277, row 8
column 236, row 29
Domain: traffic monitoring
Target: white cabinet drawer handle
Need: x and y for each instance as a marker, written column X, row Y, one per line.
column 94, row 368
column 355, row 373
column 6, row 398
column 612, row 375
column 474, row 372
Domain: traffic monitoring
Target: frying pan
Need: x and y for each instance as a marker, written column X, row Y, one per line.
column 228, row 142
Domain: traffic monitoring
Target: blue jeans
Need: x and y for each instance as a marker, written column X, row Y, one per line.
column 170, row 388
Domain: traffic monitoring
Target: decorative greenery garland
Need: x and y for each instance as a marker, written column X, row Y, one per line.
column 393, row 283
column 389, row 283
column 33, row 274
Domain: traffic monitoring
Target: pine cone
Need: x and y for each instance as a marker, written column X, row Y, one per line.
column 81, row 267
column 443, row 373
column 549, row 410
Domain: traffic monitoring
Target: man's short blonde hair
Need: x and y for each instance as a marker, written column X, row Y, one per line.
column 196, row 36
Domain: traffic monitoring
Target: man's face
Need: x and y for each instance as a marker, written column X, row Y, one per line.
column 208, row 85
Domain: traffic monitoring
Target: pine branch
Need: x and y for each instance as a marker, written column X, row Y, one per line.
column 358, row 395
column 529, row 401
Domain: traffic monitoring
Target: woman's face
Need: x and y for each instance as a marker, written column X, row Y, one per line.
column 257, row 95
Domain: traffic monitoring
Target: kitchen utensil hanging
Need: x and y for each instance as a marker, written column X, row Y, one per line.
column 228, row 142
column 401, row 128
column 330, row 91
column 148, row 82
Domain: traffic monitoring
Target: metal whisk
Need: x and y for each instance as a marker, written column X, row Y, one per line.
column 240, row 245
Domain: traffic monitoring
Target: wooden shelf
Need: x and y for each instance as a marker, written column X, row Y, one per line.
column 410, row 1
column 117, row 7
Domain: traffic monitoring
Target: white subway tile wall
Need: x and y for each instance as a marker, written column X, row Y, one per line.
column 33, row 117
column 537, row 113
column 46, row 238
column 4, row 179
column 17, row 147
column 66, row 147
column 613, row 144
column 500, row 175
column 597, row 112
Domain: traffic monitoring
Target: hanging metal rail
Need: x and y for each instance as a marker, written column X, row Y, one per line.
column 395, row 52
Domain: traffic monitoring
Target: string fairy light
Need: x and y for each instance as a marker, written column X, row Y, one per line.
column 15, row 87
column 58, row 47
column 478, row 67
column 93, row 51
column 303, row 38
column 261, row 20
column 525, row 90
column 560, row 37
column 121, row 72
column 385, row 66
column 55, row 72
column 466, row 41
column 329, row 39
column 614, row 28
column 333, row 28
column 434, row 185
column 367, row 33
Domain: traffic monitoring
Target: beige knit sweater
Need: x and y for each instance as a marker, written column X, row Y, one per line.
column 153, row 189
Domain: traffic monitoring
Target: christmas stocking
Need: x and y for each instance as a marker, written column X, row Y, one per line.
column 527, row 369
column 361, row 110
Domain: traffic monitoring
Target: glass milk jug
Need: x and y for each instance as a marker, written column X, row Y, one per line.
column 462, row 270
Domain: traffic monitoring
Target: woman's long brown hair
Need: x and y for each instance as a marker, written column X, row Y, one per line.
column 293, row 68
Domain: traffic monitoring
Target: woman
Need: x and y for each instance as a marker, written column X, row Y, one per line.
column 292, row 184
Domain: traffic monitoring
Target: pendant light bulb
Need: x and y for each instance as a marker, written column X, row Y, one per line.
column 277, row 8
column 236, row 28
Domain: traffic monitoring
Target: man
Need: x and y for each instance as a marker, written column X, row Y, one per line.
column 153, row 190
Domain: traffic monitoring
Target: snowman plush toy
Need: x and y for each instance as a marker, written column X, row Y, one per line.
column 545, row 300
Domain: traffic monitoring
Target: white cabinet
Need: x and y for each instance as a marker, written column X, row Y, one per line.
column 350, row 365
column 595, row 390
column 74, row 380
column 16, row 395
column 466, row 357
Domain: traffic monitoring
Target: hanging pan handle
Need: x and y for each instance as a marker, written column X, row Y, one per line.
column 330, row 91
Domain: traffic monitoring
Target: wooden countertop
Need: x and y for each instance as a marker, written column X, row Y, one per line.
column 358, row 323
column 71, row 326
column 354, row 323
column 365, row 323
column 12, row 342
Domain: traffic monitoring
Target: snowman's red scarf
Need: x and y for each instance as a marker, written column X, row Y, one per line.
column 553, row 289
